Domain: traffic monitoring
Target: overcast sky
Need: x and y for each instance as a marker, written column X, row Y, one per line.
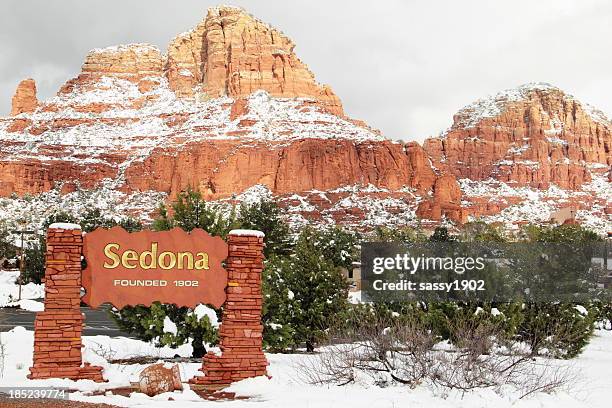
column 403, row 66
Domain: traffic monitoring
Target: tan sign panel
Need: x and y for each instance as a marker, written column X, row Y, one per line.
column 143, row 267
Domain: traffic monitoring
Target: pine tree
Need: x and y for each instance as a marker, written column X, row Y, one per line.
column 279, row 304
column 319, row 290
column 403, row 234
column 7, row 247
column 304, row 293
column 338, row 246
column 559, row 328
column 560, row 234
column 479, row 231
column 163, row 222
column 93, row 219
column 35, row 261
column 441, row 235
column 190, row 211
column 266, row 216
column 60, row 216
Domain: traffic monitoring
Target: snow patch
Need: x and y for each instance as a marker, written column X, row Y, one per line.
column 9, row 291
column 65, row 226
column 202, row 310
column 247, row 233
column 170, row 326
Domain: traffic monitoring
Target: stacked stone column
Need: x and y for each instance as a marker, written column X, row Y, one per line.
column 241, row 330
column 57, row 330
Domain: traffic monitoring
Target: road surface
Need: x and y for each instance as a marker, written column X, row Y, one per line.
column 97, row 321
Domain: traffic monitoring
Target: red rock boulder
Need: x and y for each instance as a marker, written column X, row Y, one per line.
column 157, row 379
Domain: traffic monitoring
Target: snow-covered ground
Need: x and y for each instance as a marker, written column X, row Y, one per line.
column 287, row 386
column 9, row 292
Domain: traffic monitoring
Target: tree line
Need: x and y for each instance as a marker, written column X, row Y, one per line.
column 306, row 293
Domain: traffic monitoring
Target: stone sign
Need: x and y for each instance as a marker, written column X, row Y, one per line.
column 143, row 267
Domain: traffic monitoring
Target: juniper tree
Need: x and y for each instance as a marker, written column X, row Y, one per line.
column 7, row 247
column 401, row 234
column 266, row 216
column 147, row 323
column 319, row 289
column 562, row 329
column 279, row 304
column 191, row 211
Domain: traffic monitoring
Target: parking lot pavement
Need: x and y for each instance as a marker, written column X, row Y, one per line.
column 97, row 321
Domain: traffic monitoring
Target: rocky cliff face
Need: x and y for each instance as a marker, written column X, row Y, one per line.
column 230, row 106
column 231, row 110
column 230, row 53
column 223, row 168
column 446, row 201
column 24, row 100
column 526, row 152
column 534, row 135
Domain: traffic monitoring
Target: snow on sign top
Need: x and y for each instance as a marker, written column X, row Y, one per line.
column 64, row 226
column 247, row 233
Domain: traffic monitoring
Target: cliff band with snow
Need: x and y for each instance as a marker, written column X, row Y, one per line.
column 232, row 111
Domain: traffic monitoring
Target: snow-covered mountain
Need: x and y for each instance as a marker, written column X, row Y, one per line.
column 232, row 111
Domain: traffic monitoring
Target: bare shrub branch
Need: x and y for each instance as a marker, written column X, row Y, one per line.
column 406, row 351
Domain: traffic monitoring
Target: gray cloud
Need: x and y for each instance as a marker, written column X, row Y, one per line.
column 403, row 66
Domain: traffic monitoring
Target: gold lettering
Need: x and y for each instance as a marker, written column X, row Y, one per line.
column 127, row 257
column 152, row 255
column 181, row 256
column 162, row 262
column 202, row 261
column 111, row 255
column 149, row 259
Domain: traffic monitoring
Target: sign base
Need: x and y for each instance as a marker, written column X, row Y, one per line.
column 241, row 331
column 57, row 330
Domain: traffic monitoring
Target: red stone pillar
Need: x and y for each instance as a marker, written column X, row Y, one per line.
column 57, row 330
column 241, row 329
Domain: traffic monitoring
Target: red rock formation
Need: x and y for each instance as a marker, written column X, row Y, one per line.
column 232, row 53
column 222, row 168
column 534, row 135
column 137, row 63
column 231, row 106
column 446, row 202
column 133, row 60
column 240, row 107
column 447, row 190
column 35, row 176
column 24, row 100
column 423, row 176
